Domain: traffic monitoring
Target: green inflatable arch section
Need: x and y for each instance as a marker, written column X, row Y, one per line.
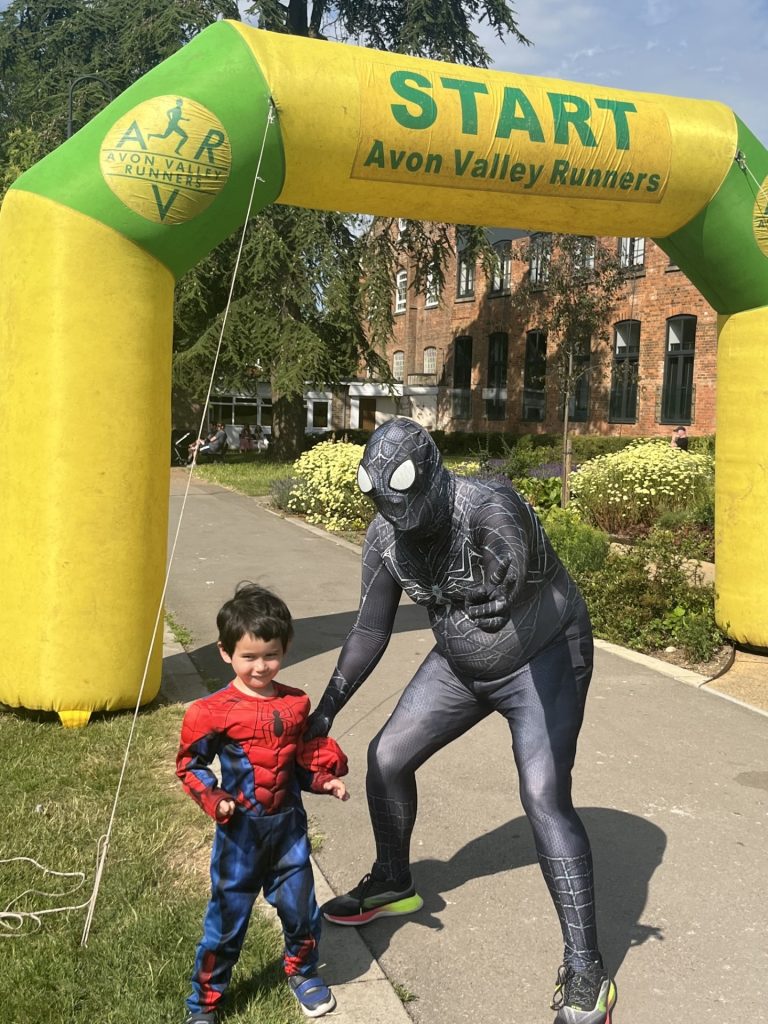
column 93, row 238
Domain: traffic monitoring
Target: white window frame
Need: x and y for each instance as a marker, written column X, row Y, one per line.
column 398, row 364
column 401, row 291
column 632, row 252
column 538, row 265
column 501, row 281
column 430, row 359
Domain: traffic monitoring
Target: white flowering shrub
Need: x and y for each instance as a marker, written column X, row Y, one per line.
column 634, row 486
column 325, row 487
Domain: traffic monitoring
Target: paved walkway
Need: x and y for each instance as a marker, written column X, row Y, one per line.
column 671, row 782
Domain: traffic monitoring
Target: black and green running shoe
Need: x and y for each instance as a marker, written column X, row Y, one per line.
column 584, row 997
column 372, row 898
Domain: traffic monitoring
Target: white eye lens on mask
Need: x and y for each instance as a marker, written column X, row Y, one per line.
column 403, row 476
column 364, row 481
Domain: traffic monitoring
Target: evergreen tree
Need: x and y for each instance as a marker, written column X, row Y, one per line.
column 315, row 295
column 313, row 299
column 45, row 47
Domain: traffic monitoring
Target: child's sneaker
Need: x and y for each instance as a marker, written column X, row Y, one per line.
column 313, row 995
column 200, row 1018
column 371, row 898
column 584, row 997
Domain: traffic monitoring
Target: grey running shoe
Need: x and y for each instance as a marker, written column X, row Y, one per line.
column 584, row 997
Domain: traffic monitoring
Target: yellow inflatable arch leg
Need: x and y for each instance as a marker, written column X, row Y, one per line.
column 86, row 332
column 741, row 497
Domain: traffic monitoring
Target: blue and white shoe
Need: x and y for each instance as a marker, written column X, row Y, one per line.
column 312, row 994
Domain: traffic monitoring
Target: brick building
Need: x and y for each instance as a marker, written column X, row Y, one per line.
column 466, row 362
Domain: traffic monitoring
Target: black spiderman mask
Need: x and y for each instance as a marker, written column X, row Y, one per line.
column 402, row 472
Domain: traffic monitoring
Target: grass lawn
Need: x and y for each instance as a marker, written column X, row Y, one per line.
column 254, row 475
column 59, row 788
column 250, row 474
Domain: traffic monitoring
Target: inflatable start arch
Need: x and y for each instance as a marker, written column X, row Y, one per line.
column 93, row 238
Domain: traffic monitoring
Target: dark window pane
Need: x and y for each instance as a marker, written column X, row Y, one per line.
column 320, row 414
column 534, row 376
column 624, row 374
column 677, row 394
column 497, row 360
column 462, row 362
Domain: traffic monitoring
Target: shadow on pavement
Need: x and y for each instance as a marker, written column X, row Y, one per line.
column 313, row 635
column 627, row 850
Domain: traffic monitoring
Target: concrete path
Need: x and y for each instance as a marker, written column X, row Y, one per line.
column 671, row 781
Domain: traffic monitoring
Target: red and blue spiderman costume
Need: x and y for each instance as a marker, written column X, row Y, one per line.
column 264, row 845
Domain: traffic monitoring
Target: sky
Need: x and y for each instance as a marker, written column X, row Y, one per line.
column 699, row 50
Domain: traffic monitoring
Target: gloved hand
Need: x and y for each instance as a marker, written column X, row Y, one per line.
column 318, row 724
column 489, row 605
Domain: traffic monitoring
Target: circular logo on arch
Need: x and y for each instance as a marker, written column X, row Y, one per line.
column 760, row 218
column 167, row 159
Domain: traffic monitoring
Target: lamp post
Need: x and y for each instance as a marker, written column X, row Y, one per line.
column 84, row 78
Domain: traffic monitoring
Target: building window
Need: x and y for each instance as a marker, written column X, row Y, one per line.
column 401, row 291
column 584, row 253
column 398, row 364
column 535, row 376
column 430, row 360
column 462, row 378
column 501, row 281
column 677, row 393
column 239, row 410
column 496, row 396
column 320, row 414
column 632, row 253
column 465, row 278
column 432, row 291
column 624, row 373
column 538, row 267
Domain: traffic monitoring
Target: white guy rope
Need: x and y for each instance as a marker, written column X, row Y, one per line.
column 105, row 839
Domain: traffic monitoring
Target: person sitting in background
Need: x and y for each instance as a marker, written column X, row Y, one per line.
column 214, row 444
column 260, row 442
column 246, row 439
column 679, row 439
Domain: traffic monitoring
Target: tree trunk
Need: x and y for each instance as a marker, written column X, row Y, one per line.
column 289, row 421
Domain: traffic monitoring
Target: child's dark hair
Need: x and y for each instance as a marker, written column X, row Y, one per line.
column 256, row 611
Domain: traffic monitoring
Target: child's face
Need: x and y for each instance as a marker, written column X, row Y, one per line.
column 256, row 663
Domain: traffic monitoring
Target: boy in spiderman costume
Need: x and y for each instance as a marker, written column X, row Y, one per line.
column 513, row 636
column 255, row 727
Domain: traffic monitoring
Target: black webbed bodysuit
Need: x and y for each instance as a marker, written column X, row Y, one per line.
column 512, row 635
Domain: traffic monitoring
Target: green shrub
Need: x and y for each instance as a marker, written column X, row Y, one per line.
column 527, row 454
column 651, row 596
column 542, row 492
column 280, row 491
column 581, row 548
column 702, row 445
column 326, row 491
column 634, row 486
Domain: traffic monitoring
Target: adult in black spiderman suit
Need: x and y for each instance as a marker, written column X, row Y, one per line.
column 512, row 635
